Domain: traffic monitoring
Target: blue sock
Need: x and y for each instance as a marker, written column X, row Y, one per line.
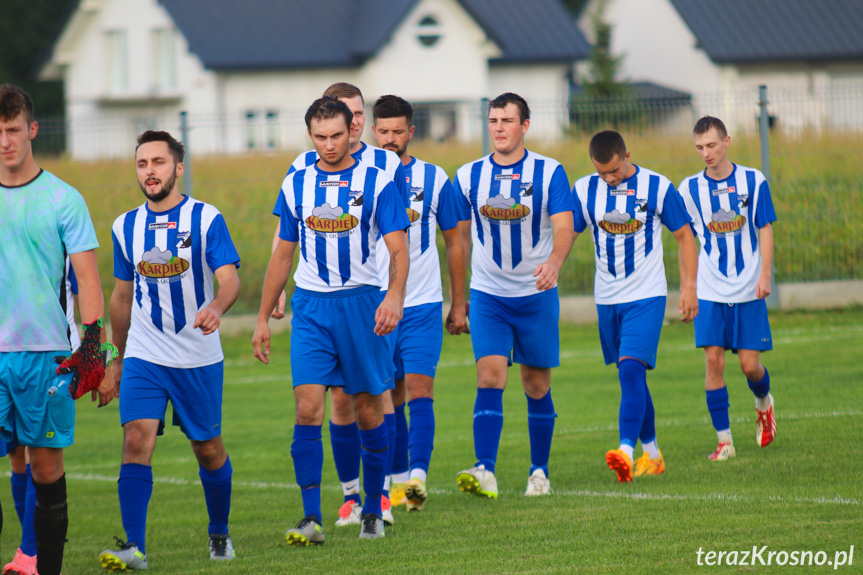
column 760, row 388
column 135, row 487
column 19, row 492
column 540, row 428
column 718, row 404
column 401, row 463
column 307, row 451
column 632, row 375
column 345, row 440
column 421, row 432
column 217, row 493
column 28, row 530
column 648, row 426
column 487, row 425
column 390, row 422
column 374, row 453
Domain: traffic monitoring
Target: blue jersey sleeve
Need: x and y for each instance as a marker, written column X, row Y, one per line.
column 579, row 224
column 390, row 214
column 401, row 182
column 764, row 213
column 448, row 215
column 220, row 248
column 123, row 268
column 289, row 226
column 559, row 196
column 463, row 204
column 76, row 228
column 674, row 215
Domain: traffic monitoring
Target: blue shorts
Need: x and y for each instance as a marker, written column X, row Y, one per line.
column 195, row 394
column 333, row 341
column 631, row 329
column 733, row 326
column 26, row 408
column 524, row 329
column 416, row 342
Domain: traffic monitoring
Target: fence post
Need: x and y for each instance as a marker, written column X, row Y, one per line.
column 483, row 122
column 773, row 298
column 184, row 137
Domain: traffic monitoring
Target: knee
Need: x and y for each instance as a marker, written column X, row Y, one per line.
column 536, row 386
column 137, row 444
column 420, row 387
column 752, row 369
column 341, row 407
column 210, row 454
column 714, row 362
column 398, row 392
column 309, row 412
column 490, row 378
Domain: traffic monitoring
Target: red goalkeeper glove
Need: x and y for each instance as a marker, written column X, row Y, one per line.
column 88, row 362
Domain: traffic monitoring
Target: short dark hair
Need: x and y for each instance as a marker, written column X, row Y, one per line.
column 393, row 107
column 177, row 149
column 605, row 145
column 344, row 90
column 326, row 108
column 706, row 123
column 14, row 101
column 510, row 98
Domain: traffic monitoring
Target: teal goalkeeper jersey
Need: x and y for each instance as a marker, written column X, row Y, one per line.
column 41, row 222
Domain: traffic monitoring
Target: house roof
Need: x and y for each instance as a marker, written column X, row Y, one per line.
column 258, row 34
column 742, row 31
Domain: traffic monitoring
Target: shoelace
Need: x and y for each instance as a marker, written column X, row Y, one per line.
column 122, row 545
column 370, row 525
column 219, row 545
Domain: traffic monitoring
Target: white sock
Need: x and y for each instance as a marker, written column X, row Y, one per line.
column 627, row 449
column 724, row 436
column 401, row 477
column 387, row 480
column 351, row 487
column 651, row 449
column 418, row 474
column 762, row 403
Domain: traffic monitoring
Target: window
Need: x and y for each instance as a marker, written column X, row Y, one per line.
column 272, row 129
column 164, row 60
column 117, row 61
column 428, row 31
column 251, row 130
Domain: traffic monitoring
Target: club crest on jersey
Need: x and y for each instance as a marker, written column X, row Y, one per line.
column 642, row 205
column 184, row 239
column 503, row 209
column 157, row 264
column 507, row 177
column 329, row 219
column 334, row 184
column 162, row 226
column 417, row 194
column 726, row 222
column 526, row 189
column 723, row 191
column 355, row 198
column 616, row 222
column 743, row 200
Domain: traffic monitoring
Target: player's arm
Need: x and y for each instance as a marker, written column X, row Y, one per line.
column 279, row 309
column 765, row 246
column 688, row 304
column 278, row 272
column 91, row 306
column 209, row 318
column 456, row 321
column 389, row 313
column 121, row 318
column 547, row 272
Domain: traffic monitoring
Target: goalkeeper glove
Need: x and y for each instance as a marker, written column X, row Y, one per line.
column 89, row 361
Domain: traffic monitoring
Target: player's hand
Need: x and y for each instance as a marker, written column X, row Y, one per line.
column 546, row 275
column 456, row 320
column 105, row 392
column 279, row 310
column 87, row 363
column 388, row 315
column 762, row 287
column 208, row 320
column 687, row 307
column 117, row 368
column 261, row 342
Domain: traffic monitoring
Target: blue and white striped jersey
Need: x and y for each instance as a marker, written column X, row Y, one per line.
column 511, row 230
column 433, row 203
column 171, row 256
column 625, row 224
column 727, row 215
column 337, row 217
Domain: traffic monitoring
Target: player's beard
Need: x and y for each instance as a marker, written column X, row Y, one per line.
column 161, row 194
column 396, row 150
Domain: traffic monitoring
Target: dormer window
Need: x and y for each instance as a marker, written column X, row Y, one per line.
column 428, row 31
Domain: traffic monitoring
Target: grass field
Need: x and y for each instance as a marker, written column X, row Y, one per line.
column 803, row 492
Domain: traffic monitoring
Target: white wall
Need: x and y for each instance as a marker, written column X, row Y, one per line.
column 546, row 89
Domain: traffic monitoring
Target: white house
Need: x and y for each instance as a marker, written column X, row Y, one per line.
column 246, row 71
column 809, row 54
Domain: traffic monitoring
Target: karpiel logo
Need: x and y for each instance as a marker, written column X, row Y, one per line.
column 501, row 208
column 334, row 184
column 622, row 192
column 162, row 226
column 726, row 222
column 156, row 263
column 331, row 219
column 507, row 176
column 616, row 222
column 722, row 191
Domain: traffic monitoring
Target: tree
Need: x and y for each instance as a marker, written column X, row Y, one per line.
column 603, row 66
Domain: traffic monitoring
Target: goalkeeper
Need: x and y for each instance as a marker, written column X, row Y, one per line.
column 42, row 219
